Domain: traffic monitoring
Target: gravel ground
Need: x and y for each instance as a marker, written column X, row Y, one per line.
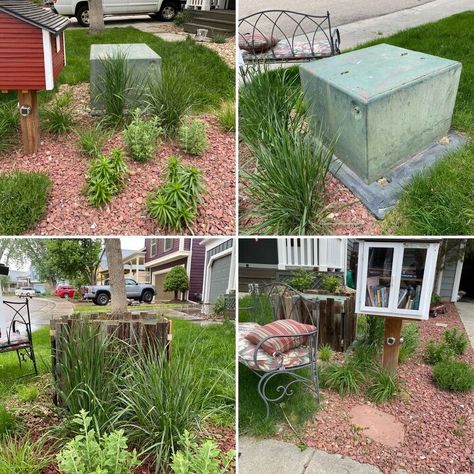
column 68, row 212
column 428, row 414
column 225, row 50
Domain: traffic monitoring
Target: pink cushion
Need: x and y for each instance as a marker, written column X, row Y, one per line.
column 256, row 42
column 284, row 327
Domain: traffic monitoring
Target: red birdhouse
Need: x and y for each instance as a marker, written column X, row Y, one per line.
column 32, row 55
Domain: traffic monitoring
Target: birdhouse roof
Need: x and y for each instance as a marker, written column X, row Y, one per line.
column 34, row 15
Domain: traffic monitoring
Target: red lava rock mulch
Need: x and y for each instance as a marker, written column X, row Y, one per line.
column 69, row 213
column 428, row 414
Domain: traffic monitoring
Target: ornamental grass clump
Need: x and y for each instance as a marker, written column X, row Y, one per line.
column 174, row 203
column 92, row 140
column 57, row 116
column 9, row 125
column 106, row 177
column 411, row 340
column 456, row 340
column 325, row 352
column 454, row 376
column 193, row 137
column 383, row 385
column 142, row 136
column 437, row 352
column 225, row 115
column 346, row 378
column 23, row 456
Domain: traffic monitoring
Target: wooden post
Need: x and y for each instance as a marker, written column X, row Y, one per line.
column 30, row 128
column 393, row 329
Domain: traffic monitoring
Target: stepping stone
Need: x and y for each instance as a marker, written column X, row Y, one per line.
column 378, row 425
column 171, row 36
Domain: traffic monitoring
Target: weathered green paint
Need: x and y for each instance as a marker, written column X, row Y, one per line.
column 142, row 61
column 385, row 103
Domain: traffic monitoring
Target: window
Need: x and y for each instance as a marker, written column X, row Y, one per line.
column 130, row 282
column 152, row 247
column 168, row 245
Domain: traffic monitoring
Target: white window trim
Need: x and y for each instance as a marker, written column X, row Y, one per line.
column 171, row 247
column 48, row 61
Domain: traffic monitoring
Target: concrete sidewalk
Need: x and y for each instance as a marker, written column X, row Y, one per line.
column 270, row 456
column 353, row 34
column 466, row 313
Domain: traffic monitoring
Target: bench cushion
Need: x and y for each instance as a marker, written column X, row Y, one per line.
column 256, row 42
column 284, row 49
column 15, row 340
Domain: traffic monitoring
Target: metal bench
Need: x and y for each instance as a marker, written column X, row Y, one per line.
column 280, row 36
column 283, row 302
column 15, row 340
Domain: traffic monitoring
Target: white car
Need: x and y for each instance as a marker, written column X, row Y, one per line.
column 165, row 10
column 25, row 292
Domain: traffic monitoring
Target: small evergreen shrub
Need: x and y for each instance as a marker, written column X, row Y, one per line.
column 183, row 17
column 194, row 458
column 142, row 137
column 456, row 340
column 454, row 376
column 23, row 200
column 92, row 140
column 57, row 117
column 174, row 203
column 106, row 177
column 325, row 352
column 89, row 452
column 301, row 280
column 331, row 283
column 27, row 393
column 23, row 456
column 225, row 115
column 411, row 340
column 193, row 137
column 176, row 280
column 7, row 421
column 219, row 306
column 345, row 378
column 436, row 352
column 383, row 385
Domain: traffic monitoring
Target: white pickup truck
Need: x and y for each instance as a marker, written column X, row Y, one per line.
column 165, row 10
column 100, row 294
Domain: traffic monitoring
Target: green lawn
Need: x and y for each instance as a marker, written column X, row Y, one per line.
column 208, row 74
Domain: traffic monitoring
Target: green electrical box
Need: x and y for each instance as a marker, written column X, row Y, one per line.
column 384, row 103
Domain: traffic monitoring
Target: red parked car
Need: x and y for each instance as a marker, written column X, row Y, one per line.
column 65, row 291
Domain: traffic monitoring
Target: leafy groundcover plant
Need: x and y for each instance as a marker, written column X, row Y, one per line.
column 174, row 204
column 454, row 376
column 193, row 137
column 23, row 200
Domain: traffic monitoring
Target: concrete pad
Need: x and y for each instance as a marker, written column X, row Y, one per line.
column 378, row 425
column 325, row 463
column 466, row 313
column 171, row 37
column 269, row 456
column 382, row 195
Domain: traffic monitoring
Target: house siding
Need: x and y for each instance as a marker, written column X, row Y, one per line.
column 160, row 252
column 196, row 272
column 449, row 272
column 58, row 57
column 21, row 55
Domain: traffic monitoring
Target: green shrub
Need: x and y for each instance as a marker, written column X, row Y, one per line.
column 454, row 376
column 89, row 452
column 193, row 137
column 171, row 98
column 331, row 283
column 370, row 330
column 225, row 115
column 383, row 385
column 106, row 177
column 23, row 200
column 27, row 393
column 435, row 298
column 174, row 204
column 411, row 339
column 365, row 356
column 325, row 352
column 57, row 116
column 219, row 38
column 162, row 399
column 456, row 340
column 183, row 17
column 219, row 306
column 7, row 421
column 23, row 456
column 345, row 378
column 193, row 458
column 142, row 137
column 9, row 125
column 92, row 140
column 436, row 352
column 176, row 280
column 301, row 280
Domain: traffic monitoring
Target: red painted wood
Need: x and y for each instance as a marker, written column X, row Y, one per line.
column 21, row 55
column 58, row 56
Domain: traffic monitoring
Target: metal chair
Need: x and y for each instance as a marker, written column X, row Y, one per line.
column 13, row 339
column 284, row 302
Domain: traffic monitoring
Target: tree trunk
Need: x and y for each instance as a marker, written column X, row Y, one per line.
column 96, row 16
column 175, row 294
column 113, row 251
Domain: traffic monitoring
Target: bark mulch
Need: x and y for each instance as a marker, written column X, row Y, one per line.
column 439, row 425
column 68, row 212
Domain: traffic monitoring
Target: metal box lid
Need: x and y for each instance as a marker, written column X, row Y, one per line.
column 377, row 70
column 131, row 51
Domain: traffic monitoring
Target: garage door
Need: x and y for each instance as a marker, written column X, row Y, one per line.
column 220, row 272
column 161, row 295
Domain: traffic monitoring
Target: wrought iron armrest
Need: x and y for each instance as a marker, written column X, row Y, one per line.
column 312, row 335
column 336, row 37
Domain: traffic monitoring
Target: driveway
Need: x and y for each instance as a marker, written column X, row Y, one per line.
column 465, row 309
column 42, row 309
column 342, row 11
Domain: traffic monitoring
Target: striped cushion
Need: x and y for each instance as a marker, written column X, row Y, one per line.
column 284, row 327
